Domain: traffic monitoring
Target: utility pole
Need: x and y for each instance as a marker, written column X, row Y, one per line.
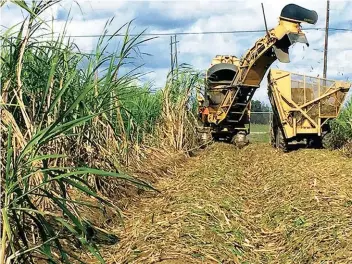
column 173, row 55
column 326, row 38
column 171, row 58
column 176, row 52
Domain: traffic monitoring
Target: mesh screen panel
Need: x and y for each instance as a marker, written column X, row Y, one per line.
column 305, row 89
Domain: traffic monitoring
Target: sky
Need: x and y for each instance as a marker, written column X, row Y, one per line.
column 160, row 17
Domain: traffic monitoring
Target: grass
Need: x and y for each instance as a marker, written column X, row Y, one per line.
column 262, row 128
column 259, row 133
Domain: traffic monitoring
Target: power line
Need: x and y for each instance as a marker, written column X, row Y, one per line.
column 199, row 33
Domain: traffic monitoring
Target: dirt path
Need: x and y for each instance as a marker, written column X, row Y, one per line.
column 254, row 205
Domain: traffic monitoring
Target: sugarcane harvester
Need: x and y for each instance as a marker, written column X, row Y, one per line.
column 230, row 83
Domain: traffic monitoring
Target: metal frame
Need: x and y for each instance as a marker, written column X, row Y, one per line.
column 286, row 107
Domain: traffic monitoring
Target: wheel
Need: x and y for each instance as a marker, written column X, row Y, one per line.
column 203, row 136
column 280, row 140
column 205, row 139
column 327, row 141
column 272, row 135
column 240, row 139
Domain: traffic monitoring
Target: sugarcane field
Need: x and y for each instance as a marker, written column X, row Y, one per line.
column 176, row 131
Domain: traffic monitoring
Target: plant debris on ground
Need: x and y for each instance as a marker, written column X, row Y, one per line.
column 254, row 205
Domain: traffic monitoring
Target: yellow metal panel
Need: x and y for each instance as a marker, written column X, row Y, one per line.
column 307, row 131
column 306, row 124
column 289, row 131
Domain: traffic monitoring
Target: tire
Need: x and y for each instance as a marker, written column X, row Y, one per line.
column 280, row 140
column 203, row 136
column 240, row 139
column 272, row 135
column 273, row 130
column 326, row 141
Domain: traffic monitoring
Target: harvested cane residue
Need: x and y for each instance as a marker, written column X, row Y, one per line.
column 254, row 205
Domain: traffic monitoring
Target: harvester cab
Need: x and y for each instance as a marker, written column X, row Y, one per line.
column 231, row 82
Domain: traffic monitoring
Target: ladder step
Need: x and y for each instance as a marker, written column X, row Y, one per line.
column 232, row 112
column 239, row 105
column 237, row 108
column 250, row 86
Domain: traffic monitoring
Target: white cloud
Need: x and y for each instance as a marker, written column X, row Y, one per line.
column 10, row 16
column 157, row 77
column 79, row 27
column 89, row 18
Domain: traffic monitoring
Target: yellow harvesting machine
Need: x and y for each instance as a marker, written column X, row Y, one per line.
column 231, row 82
column 302, row 106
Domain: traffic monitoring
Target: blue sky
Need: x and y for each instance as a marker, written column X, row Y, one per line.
column 89, row 18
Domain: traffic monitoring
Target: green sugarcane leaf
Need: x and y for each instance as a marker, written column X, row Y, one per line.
column 84, row 242
column 45, row 157
column 65, row 210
